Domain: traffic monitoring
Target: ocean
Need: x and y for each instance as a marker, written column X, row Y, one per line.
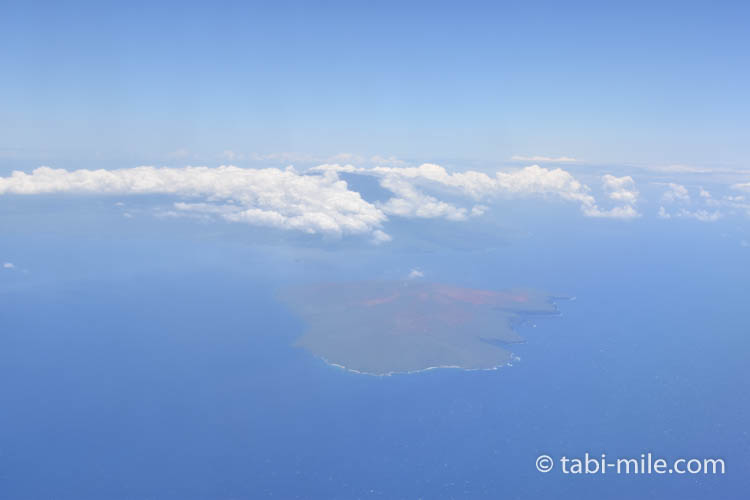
column 161, row 367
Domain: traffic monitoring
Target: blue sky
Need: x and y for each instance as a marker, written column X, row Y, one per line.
column 117, row 85
column 447, row 111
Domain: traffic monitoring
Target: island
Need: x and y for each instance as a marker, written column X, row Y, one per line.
column 388, row 327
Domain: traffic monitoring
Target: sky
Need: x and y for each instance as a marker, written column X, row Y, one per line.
column 109, row 85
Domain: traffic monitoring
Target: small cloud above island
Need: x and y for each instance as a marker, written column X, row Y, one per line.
column 415, row 274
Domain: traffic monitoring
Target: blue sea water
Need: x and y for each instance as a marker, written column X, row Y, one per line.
column 157, row 364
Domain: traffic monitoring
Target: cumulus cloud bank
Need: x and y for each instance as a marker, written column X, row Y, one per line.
column 319, row 201
column 529, row 181
column 705, row 207
column 269, row 197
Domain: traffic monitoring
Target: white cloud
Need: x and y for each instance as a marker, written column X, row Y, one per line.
column 529, row 181
column 284, row 199
column 624, row 212
column 705, row 207
column 533, row 180
column 544, row 159
column 537, row 180
column 700, row 215
column 8, row 265
column 415, row 273
column 676, row 193
column 335, row 167
column 379, row 237
column 409, row 202
column 478, row 210
column 708, row 199
column 678, row 169
column 621, row 189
